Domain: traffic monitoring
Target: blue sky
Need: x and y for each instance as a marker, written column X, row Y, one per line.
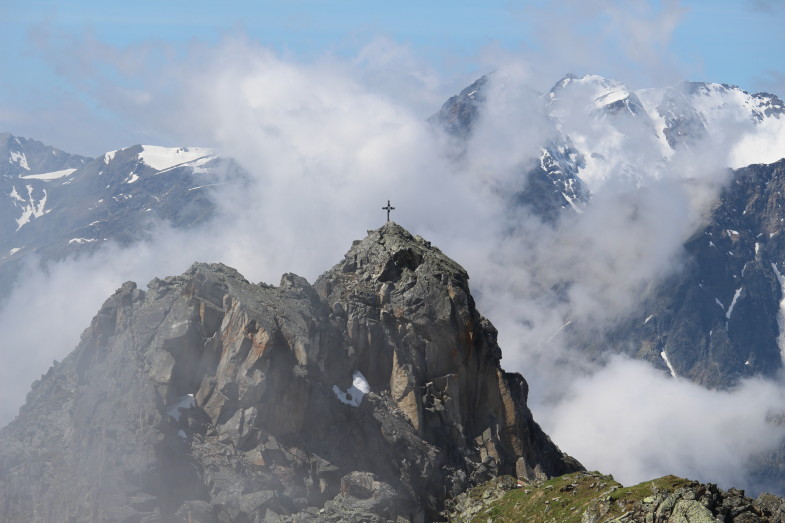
column 57, row 55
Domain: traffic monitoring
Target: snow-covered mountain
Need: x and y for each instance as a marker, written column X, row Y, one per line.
column 21, row 157
column 676, row 116
column 719, row 318
column 53, row 204
column 596, row 125
column 691, row 110
column 550, row 182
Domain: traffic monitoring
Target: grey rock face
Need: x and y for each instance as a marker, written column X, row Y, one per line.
column 720, row 319
column 372, row 395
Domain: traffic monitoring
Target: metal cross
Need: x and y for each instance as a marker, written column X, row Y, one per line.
column 388, row 209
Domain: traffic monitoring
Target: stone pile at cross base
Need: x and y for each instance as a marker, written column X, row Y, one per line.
column 373, row 395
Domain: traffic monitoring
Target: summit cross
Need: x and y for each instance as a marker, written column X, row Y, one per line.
column 388, row 209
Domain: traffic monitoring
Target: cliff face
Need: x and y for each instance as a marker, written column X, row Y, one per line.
column 375, row 393
column 721, row 318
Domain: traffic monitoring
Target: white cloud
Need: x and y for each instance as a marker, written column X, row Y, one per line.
column 638, row 424
column 630, row 41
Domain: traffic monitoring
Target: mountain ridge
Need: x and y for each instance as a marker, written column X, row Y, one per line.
column 375, row 392
column 664, row 119
column 117, row 197
column 671, row 120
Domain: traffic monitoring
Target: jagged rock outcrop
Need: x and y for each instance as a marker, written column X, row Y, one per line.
column 459, row 113
column 373, row 395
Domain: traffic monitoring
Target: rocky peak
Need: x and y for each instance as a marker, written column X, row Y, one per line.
column 599, row 96
column 458, row 114
column 20, row 157
column 414, row 330
column 376, row 393
column 395, row 248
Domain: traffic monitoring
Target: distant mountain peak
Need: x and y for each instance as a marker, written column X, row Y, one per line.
column 55, row 204
column 24, row 157
column 600, row 96
column 459, row 113
column 719, row 98
column 162, row 158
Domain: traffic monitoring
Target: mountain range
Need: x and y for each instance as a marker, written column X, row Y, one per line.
column 718, row 319
column 210, row 390
column 55, row 204
column 587, row 121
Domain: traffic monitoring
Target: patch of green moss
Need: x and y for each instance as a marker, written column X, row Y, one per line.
column 647, row 488
column 625, row 499
column 565, row 499
column 560, row 499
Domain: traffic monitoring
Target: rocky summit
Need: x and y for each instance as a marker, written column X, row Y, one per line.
column 375, row 394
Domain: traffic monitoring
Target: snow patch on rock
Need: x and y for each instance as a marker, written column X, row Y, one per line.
column 668, row 364
column 108, row 157
column 781, row 312
column 20, row 159
column 181, row 403
column 161, row 158
column 31, row 208
column 354, row 395
column 54, row 175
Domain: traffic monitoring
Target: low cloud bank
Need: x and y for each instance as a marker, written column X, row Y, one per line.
column 639, row 424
